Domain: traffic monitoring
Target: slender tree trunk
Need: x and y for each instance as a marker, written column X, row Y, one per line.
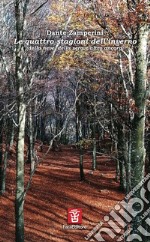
column 31, row 159
column 148, row 151
column 81, row 164
column 121, row 158
column 77, row 122
column 1, row 155
column 59, row 121
column 94, row 163
column 111, row 127
column 128, row 163
column 117, row 170
column 20, row 13
column 5, row 155
column 3, row 186
column 82, row 177
column 19, row 201
column 42, row 129
column 12, row 133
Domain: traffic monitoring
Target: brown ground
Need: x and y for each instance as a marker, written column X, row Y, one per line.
column 56, row 187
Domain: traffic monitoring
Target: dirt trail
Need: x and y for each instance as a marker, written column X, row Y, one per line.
column 56, row 187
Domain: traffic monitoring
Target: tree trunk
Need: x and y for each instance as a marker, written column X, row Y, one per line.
column 1, row 155
column 5, row 155
column 128, row 163
column 20, row 13
column 30, row 159
column 42, row 129
column 3, row 185
column 138, row 124
column 77, row 121
column 19, row 201
column 59, row 121
column 121, row 158
column 117, row 170
column 94, row 163
column 82, row 178
column 12, row 133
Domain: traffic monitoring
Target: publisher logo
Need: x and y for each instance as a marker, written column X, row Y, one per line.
column 74, row 215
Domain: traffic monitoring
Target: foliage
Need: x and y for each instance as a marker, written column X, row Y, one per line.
column 85, row 143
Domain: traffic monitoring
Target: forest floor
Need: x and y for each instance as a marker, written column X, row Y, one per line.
column 56, row 186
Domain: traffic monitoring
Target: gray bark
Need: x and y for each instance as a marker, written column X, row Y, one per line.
column 31, row 159
column 121, row 156
column 1, row 155
column 94, row 155
column 20, row 13
column 138, row 123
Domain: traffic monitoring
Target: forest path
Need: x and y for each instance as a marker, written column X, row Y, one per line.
column 56, row 186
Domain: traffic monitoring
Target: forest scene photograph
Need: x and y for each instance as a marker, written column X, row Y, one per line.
column 74, row 120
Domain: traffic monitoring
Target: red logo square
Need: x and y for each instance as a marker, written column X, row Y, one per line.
column 74, row 215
